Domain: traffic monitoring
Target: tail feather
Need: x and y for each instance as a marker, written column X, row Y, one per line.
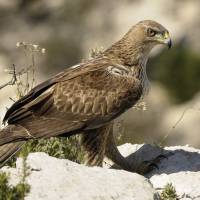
column 13, row 133
column 8, row 150
column 12, row 138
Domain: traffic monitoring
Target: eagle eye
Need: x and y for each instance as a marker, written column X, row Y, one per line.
column 151, row 32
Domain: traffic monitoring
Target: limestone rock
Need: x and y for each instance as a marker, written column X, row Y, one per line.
column 53, row 178
column 181, row 168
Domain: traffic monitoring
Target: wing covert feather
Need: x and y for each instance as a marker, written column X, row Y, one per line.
column 83, row 97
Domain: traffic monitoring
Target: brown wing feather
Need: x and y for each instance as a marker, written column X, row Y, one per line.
column 67, row 74
column 81, row 98
column 34, row 93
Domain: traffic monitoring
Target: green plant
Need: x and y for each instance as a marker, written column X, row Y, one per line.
column 10, row 192
column 169, row 193
column 67, row 148
column 64, row 148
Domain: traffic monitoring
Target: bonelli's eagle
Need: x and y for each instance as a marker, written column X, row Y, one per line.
column 85, row 99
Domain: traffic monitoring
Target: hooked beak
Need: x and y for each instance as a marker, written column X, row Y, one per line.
column 167, row 40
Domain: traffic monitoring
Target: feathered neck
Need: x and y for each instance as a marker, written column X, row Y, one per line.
column 129, row 51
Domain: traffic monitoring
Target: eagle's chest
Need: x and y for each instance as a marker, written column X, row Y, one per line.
column 120, row 89
column 130, row 88
column 124, row 95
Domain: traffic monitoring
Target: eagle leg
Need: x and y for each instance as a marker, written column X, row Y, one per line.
column 100, row 142
column 93, row 143
column 113, row 153
column 133, row 165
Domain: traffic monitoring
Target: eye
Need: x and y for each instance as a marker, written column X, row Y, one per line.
column 151, row 32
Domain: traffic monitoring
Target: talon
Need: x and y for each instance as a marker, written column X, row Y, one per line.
column 155, row 166
column 149, row 165
column 165, row 156
column 162, row 156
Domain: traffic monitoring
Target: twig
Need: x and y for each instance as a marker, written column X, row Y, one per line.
column 24, row 71
column 12, row 99
column 12, row 81
column 176, row 123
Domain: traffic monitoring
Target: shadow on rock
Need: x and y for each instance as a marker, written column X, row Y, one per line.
column 178, row 158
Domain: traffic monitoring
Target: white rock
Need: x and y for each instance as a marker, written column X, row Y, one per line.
column 53, row 178
column 182, row 168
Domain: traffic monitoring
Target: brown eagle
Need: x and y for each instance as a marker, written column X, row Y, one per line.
column 86, row 98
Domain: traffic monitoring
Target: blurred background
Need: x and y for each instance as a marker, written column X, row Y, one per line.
column 68, row 30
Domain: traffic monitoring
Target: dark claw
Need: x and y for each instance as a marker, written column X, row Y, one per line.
column 155, row 166
column 149, row 165
column 162, row 156
column 165, row 156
